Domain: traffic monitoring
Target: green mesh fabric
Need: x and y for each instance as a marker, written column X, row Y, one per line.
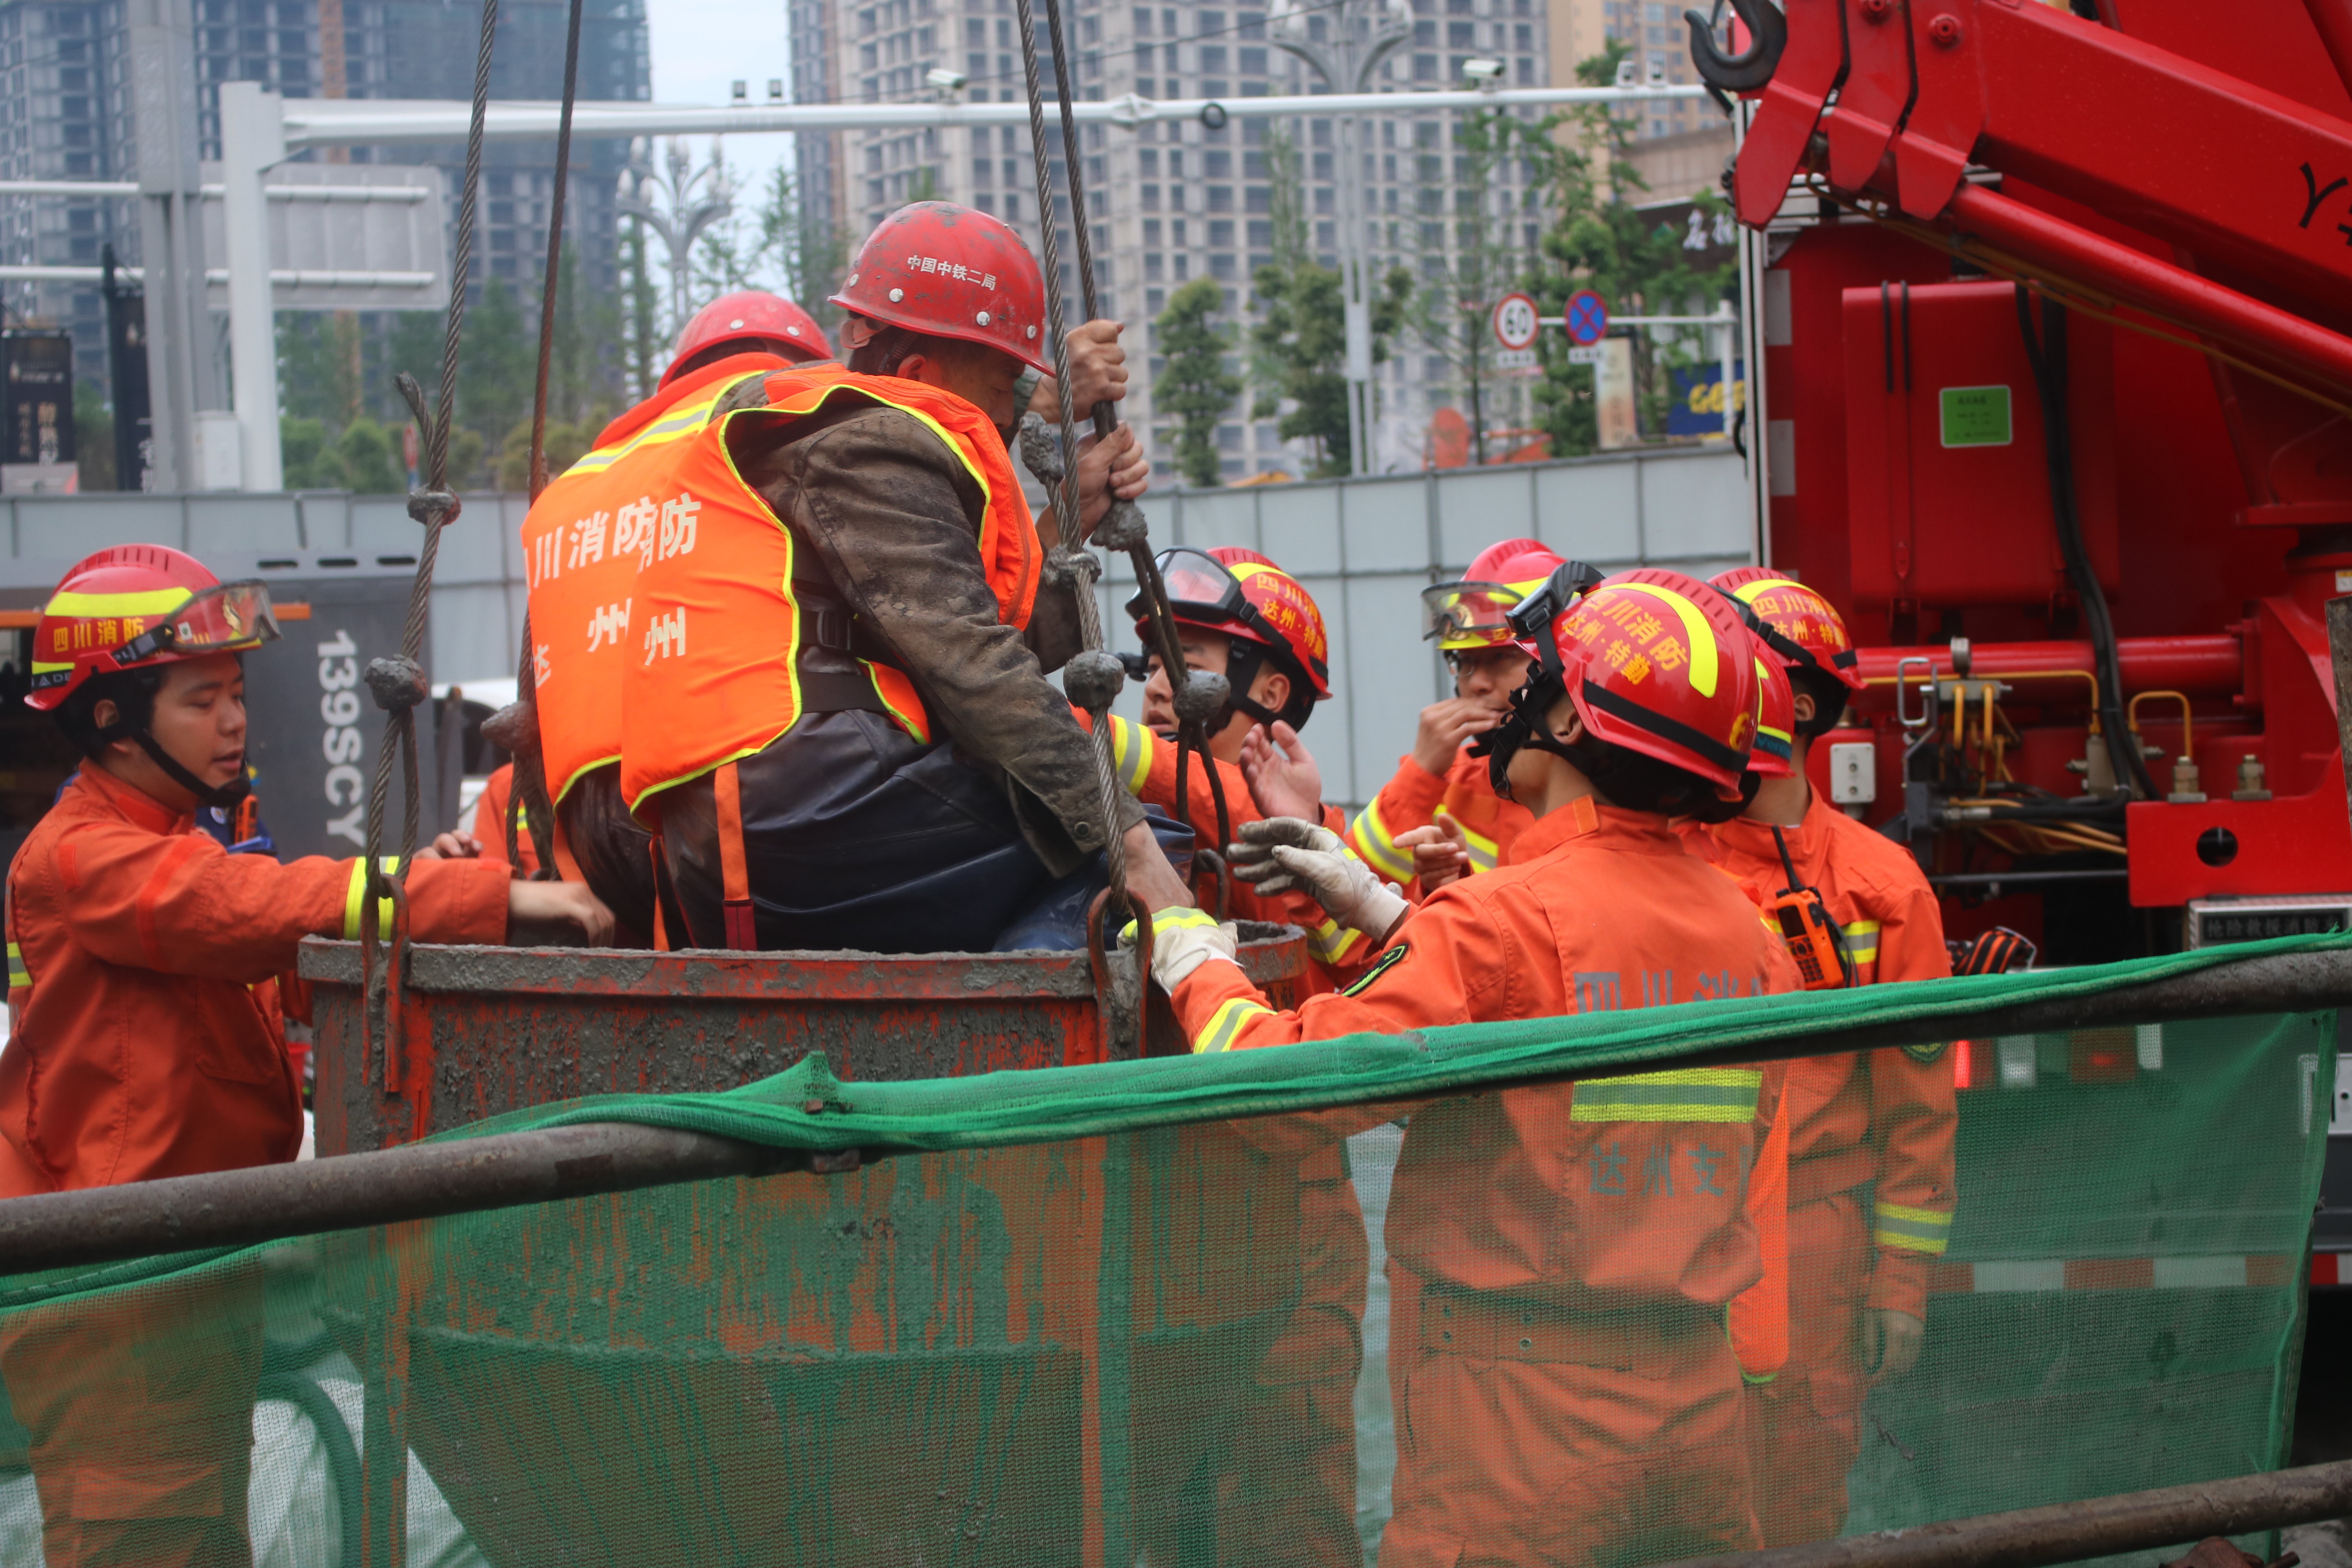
column 1127, row 1314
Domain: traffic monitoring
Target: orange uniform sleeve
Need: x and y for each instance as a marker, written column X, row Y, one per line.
column 179, row 904
column 1912, row 1119
column 1406, row 801
column 1450, row 964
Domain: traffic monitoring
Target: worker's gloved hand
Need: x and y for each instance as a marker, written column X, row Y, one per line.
column 1283, row 853
column 1181, row 941
column 1284, row 779
column 1890, row 1342
column 1097, row 369
column 570, row 902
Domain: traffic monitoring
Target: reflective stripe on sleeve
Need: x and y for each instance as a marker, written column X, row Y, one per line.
column 1227, row 1022
column 353, row 898
column 1862, row 941
column 18, row 975
column 1376, row 845
column 1485, row 853
column 1912, row 1230
column 1683, row 1094
column 1332, row 942
column 1130, row 753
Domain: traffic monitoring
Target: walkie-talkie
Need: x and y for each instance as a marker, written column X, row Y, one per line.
column 1811, row 936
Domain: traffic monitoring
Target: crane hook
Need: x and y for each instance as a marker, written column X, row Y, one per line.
column 1767, row 32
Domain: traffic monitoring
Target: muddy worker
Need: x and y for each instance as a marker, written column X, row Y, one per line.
column 1563, row 1256
column 609, row 517
column 149, row 1038
column 1870, row 1133
column 835, row 708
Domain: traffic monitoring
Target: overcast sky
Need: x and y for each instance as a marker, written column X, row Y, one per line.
column 700, row 46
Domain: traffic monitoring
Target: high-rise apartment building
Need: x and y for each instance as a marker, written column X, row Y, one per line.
column 1168, row 201
column 65, row 113
column 1658, row 45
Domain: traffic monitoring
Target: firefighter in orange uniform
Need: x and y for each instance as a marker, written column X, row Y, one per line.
column 1441, row 780
column 1870, row 1135
column 1563, row 1257
column 148, row 1037
column 1290, row 1489
column 833, row 708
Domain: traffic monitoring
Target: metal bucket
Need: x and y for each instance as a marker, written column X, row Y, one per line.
column 485, row 1030
column 1047, row 1375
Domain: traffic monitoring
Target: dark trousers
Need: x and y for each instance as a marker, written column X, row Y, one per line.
column 857, row 836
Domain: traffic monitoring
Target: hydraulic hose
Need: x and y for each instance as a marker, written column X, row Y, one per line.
column 2047, row 352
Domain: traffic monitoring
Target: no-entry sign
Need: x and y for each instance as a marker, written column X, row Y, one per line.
column 1587, row 317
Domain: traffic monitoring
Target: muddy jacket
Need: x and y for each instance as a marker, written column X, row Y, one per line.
column 143, row 959
column 891, row 517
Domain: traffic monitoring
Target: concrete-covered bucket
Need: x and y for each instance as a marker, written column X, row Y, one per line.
column 479, row 1031
column 1036, row 1355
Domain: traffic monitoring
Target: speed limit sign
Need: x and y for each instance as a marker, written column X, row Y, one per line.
column 1515, row 322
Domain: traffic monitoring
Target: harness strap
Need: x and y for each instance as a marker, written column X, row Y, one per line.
column 661, row 930
column 734, row 872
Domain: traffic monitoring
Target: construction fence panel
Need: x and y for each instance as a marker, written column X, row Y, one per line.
column 1227, row 1309
column 1364, row 547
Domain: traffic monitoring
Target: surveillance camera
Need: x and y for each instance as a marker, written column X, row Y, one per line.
column 741, row 92
column 1485, row 72
column 1657, row 70
column 941, row 79
column 1625, row 68
column 775, row 90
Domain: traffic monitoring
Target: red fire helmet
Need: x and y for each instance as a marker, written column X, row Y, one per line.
column 1473, row 612
column 1659, row 663
column 132, row 607
column 1243, row 594
column 948, row 271
column 1812, row 635
column 745, row 317
column 1775, row 754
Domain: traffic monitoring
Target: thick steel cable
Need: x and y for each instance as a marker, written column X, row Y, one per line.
column 1191, row 733
column 398, row 684
column 1080, row 564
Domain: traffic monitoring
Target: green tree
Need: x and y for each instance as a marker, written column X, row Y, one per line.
column 369, row 462
column 308, row 463
column 1196, row 388
column 1299, row 346
column 1599, row 240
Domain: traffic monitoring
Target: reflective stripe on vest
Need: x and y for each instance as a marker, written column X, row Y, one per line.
column 715, row 675
column 590, row 533
column 1683, row 1094
column 1907, row 1229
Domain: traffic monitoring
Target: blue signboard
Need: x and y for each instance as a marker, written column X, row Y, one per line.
column 1695, row 404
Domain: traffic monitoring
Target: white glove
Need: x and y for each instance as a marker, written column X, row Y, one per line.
column 1282, row 853
column 1181, row 941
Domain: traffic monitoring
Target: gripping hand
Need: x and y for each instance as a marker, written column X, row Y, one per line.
column 1282, row 854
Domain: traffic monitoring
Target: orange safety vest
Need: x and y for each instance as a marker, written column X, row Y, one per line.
column 589, row 534
column 717, row 674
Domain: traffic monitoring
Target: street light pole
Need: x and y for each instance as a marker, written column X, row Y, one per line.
column 680, row 215
column 1361, row 34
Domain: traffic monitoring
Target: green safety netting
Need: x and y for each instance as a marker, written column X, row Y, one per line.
column 1148, row 1313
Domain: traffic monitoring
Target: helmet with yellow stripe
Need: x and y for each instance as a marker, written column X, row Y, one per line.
column 1267, row 613
column 132, row 607
column 1799, row 626
column 1663, row 676
column 1774, row 756
column 1474, row 611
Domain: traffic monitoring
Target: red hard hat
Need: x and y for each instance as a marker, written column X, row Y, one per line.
column 133, row 606
column 749, row 316
column 1243, row 594
column 1659, row 663
column 1812, row 635
column 948, row 271
column 1472, row 612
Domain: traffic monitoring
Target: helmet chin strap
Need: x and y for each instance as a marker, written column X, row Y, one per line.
column 222, row 796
